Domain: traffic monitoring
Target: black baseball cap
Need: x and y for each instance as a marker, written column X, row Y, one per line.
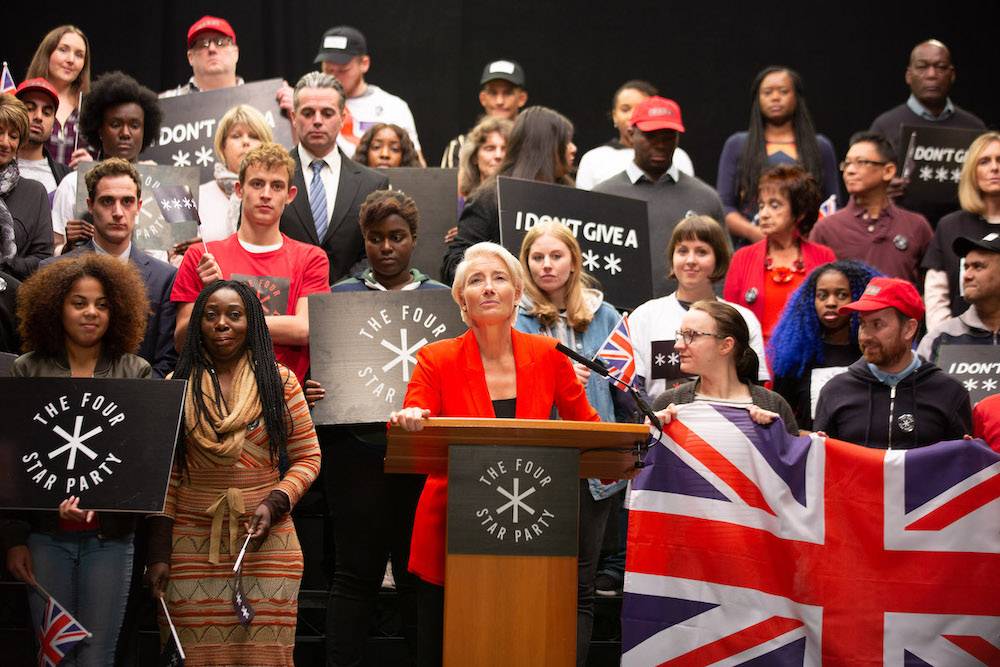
column 506, row 70
column 990, row 242
column 340, row 44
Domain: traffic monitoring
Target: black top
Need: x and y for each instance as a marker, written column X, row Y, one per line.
column 798, row 390
column 505, row 408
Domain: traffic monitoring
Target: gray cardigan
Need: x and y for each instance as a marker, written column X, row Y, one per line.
column 761, row 397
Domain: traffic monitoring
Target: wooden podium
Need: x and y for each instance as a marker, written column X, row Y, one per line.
column 513, row 508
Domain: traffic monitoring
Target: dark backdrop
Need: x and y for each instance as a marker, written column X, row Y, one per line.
column 703, row 54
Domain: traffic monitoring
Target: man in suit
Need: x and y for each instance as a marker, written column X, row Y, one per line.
column 114, row 193
column 334, row 184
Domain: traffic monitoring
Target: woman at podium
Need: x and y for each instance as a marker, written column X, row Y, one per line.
column 492, row 370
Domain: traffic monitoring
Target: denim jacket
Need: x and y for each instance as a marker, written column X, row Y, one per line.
column 599, row 390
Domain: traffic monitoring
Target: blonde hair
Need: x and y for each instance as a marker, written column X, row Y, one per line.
column 969, row 195
column 269, row 156
column 486, row 250
column 39, row 66
column 578, row 313
column 14, row 116
column 241, row 114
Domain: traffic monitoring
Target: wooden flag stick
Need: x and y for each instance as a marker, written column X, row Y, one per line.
column 173, row 630
column 243, row 551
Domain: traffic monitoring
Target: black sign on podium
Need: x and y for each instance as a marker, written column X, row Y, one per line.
column 363, row 346
column 976, row 367
column 110, row 442
column 613, row 232
column 435, row 191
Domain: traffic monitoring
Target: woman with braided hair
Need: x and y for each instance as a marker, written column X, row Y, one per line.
column 812, row 337
column 244, row 414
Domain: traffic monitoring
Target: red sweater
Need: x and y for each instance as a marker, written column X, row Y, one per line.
column 450, row 382
column 746, row 272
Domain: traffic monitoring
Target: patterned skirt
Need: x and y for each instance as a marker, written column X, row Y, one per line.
column 212, row 507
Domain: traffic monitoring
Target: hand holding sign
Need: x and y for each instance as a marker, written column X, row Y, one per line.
column 69, row 510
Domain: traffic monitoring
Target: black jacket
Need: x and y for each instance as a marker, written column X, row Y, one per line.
column 10, row 341
column 761, row 397
column 343, row 243
column 29, row 206
column 926, row 407
column 480, row 221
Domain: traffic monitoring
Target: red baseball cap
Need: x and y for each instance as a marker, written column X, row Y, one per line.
column 888, row 293
column 657, row 113
column 40, row 85
column 206, row 23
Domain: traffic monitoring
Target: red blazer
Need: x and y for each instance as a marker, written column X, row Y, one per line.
column 450, row 382
column 746, row 272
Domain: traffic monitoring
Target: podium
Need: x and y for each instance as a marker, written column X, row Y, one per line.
column 513, row 508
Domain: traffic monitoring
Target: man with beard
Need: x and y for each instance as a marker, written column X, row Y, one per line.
column 653, row 177
column 33, row 159
column 891, row 398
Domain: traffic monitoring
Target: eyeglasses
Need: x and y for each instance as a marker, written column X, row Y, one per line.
column 861, row 163
column 921, row 66
column 205, row 42
column 688, row 335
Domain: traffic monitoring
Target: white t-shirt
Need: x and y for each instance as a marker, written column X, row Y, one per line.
column 601, row 163
column 377, row 106
column 653, row 327
column 38, row 170
column 64, row 202
column 213, row 209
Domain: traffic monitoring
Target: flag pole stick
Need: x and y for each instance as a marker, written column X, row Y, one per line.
column 173, row 630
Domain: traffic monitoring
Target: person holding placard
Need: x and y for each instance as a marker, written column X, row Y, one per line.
column 63, row 59
column 813, row 340
column 979, row 196
column 493, row 370
column 82, row 317
column 385, row 146
column 540, row 148
column 248, row 454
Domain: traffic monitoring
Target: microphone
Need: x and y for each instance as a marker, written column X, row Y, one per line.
column 601, row 370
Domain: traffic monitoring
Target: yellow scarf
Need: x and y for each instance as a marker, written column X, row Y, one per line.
column 216, row 438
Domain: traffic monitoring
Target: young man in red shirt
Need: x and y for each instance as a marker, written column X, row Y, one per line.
column 283, row 271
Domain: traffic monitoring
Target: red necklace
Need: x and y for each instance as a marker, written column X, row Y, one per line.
column 784, row 274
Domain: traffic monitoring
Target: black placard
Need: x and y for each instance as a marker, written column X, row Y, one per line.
column 513, row 501
column 933, row 161
column 110, row 442
column 6, row 361
column 153, row 233
column 187, row 134
column 363, row 346
column 435, row 192
column 613, row 232
column 977, row 367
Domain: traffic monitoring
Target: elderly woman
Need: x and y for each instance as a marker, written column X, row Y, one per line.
column 63, row 59
column 243, row 416
column 763, row 276
column 714, row 344
column 482, row 373
column 25, row 223
column 240, row 130
column 385, row 146
column 979, row 196
column 84, row 318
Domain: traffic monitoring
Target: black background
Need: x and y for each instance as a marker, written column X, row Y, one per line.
column 703, row 54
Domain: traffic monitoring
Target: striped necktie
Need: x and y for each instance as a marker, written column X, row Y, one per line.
column 317, row 200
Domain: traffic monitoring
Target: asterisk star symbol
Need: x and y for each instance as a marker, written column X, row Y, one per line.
column 181, row 159
column 674, row 359
column 926, row 173
column 204, row 156
column 612, row 264
column 659, row 359
column 971, row 384
column 942, row 174
column 516, row 499
column 176, row 203
column 404, row 353
column 956, row 175
column 74, row 443
column 165, row 205
column 989, row 385
column 591, row 260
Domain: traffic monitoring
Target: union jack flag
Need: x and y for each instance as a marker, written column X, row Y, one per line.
column 828, row 207
column 60, row 633
column 748, row 546
column 617, row 354
column 7, row 84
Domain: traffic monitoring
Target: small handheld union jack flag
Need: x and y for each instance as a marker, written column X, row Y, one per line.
column 60, row 633
column 7, row 84
column 617, row 353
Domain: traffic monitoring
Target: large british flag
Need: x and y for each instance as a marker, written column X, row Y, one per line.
column 618, row 354
column 60, row 633
column 751, row 547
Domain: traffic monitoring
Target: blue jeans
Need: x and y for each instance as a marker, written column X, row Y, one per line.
column 90, row 577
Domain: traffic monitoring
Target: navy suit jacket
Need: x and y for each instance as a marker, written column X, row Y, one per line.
column 158, row 345
column 343, row 243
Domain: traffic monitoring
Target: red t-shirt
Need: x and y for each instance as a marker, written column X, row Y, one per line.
column 986, row 421
column 280, row 278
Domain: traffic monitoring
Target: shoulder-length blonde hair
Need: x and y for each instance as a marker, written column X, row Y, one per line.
column 970, row 196
column 486, row 250
column 246, row 115
column 39, row 66
column 578, row 312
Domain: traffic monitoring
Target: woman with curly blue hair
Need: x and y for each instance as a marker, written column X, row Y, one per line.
column 812, row 339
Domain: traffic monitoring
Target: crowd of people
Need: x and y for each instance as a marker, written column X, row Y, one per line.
column 831, row 322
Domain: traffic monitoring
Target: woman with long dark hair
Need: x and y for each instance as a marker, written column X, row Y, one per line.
column 813, row 336
column 781, row 132
column 384, row 146
column 84, row 318
column 248, row 454
column 63, row 59
column 540, row 148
